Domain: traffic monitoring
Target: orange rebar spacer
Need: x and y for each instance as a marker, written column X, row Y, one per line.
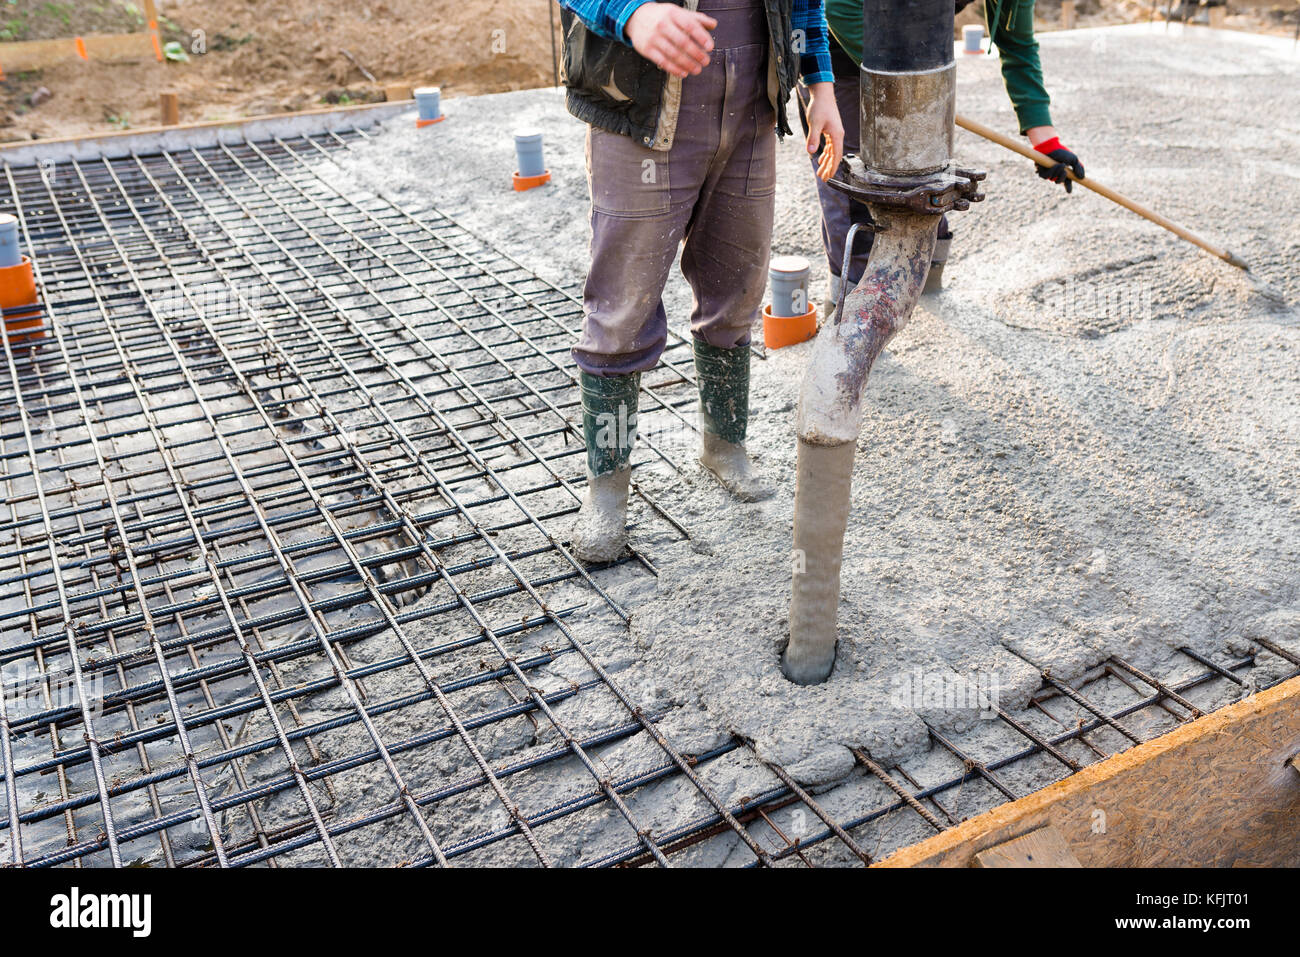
column 529, row 182
column 421, row 124
column 782, row 331
column 18, row 288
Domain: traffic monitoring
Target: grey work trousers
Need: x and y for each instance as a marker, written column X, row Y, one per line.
column 714, row 190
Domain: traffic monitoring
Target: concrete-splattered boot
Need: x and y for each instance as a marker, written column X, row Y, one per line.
column 609, row 427
column 723, row 375
column 832, row 298
column 934, row 278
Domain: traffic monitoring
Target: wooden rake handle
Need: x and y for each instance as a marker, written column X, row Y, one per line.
column 994, row 136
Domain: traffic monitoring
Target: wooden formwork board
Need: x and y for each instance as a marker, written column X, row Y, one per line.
column 38, row 54
column 196, row 135
column 1220, row 791
column 22, row 55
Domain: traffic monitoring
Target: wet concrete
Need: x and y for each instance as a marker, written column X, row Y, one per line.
column 1085, row 445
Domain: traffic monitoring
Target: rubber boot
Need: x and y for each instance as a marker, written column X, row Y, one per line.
column 832, row 298
column 609, row 428
column 723, row 375
column 934, row 279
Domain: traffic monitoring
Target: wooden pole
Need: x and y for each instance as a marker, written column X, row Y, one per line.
column 555, row 55
column 169, row 107
column 995, row 137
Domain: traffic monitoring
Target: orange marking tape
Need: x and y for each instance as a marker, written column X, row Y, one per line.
column 81, row 48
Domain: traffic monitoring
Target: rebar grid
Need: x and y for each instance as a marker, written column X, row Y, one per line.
column 280, row 579
column 886, row 812
column 314, row 396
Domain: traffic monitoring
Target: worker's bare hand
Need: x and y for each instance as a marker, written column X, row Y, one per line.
column 824, row 122
column 672, row 38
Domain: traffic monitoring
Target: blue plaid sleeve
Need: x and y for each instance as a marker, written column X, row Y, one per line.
column 607, row 17
column 814, row 48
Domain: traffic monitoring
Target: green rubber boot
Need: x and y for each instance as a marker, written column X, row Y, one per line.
column 609, row 427
column 723, row 376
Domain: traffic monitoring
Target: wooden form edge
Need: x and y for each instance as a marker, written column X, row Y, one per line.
column 123, row 142
column 23, row 55
column 19, row 56
column 1002, row 823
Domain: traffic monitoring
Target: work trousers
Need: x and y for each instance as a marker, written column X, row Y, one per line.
column 714, row 191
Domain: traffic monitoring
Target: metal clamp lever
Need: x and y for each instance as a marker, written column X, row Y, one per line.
column 953, row 188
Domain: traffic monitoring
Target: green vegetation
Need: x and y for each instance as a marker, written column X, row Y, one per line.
column 48, row 19
column 221, row 41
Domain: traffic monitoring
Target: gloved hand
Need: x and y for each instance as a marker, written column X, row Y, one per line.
column 1053, row 149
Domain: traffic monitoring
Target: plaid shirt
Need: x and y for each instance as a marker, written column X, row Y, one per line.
column 609, row 19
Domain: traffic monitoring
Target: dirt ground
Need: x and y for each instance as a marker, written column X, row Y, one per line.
column 1083, row 446
column 252, row 57
column 291, row 55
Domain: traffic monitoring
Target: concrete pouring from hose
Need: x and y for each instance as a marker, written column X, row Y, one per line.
column 906, row 176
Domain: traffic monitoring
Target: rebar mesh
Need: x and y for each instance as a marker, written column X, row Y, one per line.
column 283, row 575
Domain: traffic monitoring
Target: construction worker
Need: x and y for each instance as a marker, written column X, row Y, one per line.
column 684, row 102
column 1011, row 30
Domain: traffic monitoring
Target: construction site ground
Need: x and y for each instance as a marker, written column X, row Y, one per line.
column 1085, row 445
column 1077, row 468
column 260, row 58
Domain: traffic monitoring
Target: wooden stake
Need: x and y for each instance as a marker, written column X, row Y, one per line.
column 151, row 27
column 1067, row 14
column 994, row 136
column 1217, row 15
column 396, row 92
column 170, row 108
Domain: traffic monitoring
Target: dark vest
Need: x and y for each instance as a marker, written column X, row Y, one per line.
column 609, row 85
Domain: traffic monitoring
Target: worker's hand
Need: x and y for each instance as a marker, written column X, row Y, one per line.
column 672, row 38
column 1045, row 141
column 824, row 121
